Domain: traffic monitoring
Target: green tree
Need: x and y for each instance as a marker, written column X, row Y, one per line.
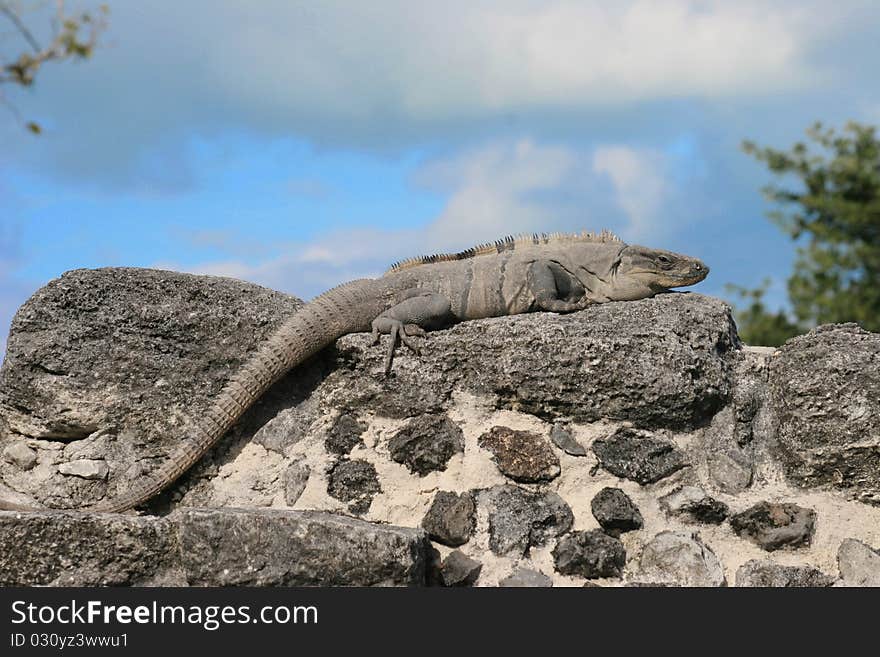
column 833, row 212
column 73, row 36
column 756, row 324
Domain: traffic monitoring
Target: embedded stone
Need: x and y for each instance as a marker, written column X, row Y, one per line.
column 615, row 512
column 521, row 455
column 426, row 443
column 451, row 518
column 638, row 456
column 773, row 525
column 591, row 554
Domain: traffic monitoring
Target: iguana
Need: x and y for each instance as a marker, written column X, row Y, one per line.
column 558, row 273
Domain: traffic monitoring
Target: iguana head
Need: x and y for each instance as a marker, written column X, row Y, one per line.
column 641, row 267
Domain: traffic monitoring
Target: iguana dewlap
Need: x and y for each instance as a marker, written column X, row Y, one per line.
column 557, row 273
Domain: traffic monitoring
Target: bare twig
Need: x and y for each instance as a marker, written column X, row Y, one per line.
column 6, row 10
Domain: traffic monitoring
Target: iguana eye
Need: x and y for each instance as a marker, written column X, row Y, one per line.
column 665, row 260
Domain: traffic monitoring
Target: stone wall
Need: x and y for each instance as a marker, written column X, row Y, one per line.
column 635, row 443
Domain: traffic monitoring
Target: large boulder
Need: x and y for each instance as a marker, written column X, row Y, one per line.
column 207, row 547
column 825, row 394
column 661, row 362
column 107, row 366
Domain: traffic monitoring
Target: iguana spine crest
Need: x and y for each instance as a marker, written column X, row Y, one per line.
column 509, row 243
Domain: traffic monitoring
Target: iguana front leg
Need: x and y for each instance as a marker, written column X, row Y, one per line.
column 555, row 290
column 412, row 316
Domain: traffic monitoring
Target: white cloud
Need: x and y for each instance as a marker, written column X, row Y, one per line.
column 467, row 59
column 641, row 185
column 505, row 187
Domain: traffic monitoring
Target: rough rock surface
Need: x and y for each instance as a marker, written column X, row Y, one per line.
column 526, row 578
column 110, row 366
column 451, row 519
column 111, row 363
column 207, row 547
column 426, row 443
column 757, row 573
column 521, row 455
column 458, row 569
column 355, row 482
column 774, row 525
column 345, row 435
column 527, row 363
column 825, row 389
column 859, row 564
column 593, row 554
column 678, row 559
column 563, row 439
column 615, row 512
column 692, row 504
column 520, row 519
column 638, row 456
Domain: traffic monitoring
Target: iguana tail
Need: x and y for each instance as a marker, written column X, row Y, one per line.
column 349, row 308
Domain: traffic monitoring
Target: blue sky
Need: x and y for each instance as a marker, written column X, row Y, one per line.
column 299, row 144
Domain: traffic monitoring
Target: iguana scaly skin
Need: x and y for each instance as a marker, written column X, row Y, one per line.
column 556, row 273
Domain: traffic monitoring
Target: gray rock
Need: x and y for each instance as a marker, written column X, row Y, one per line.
column 20, row 455
column 615, row 512
column 520, row 519
column 521, row 455
column 859, row 564
column 345, row 435
column 236, row 547
column 591, row 554
column 773, row 525
column 296, row 477
column 285, row 429
column 825, row 390
column 692, row 504
column 458, row 569
column 114, row 361
column 661, row 362
column 638, row 456
column 207, row 547
column 757, row 573
column 85, row 549
column 85, row 468
column 451, row 518
column 355, row 482
column 677, row 559
column 526, row 578
column 729, row 464
column 562, row 438
column 426, row 443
